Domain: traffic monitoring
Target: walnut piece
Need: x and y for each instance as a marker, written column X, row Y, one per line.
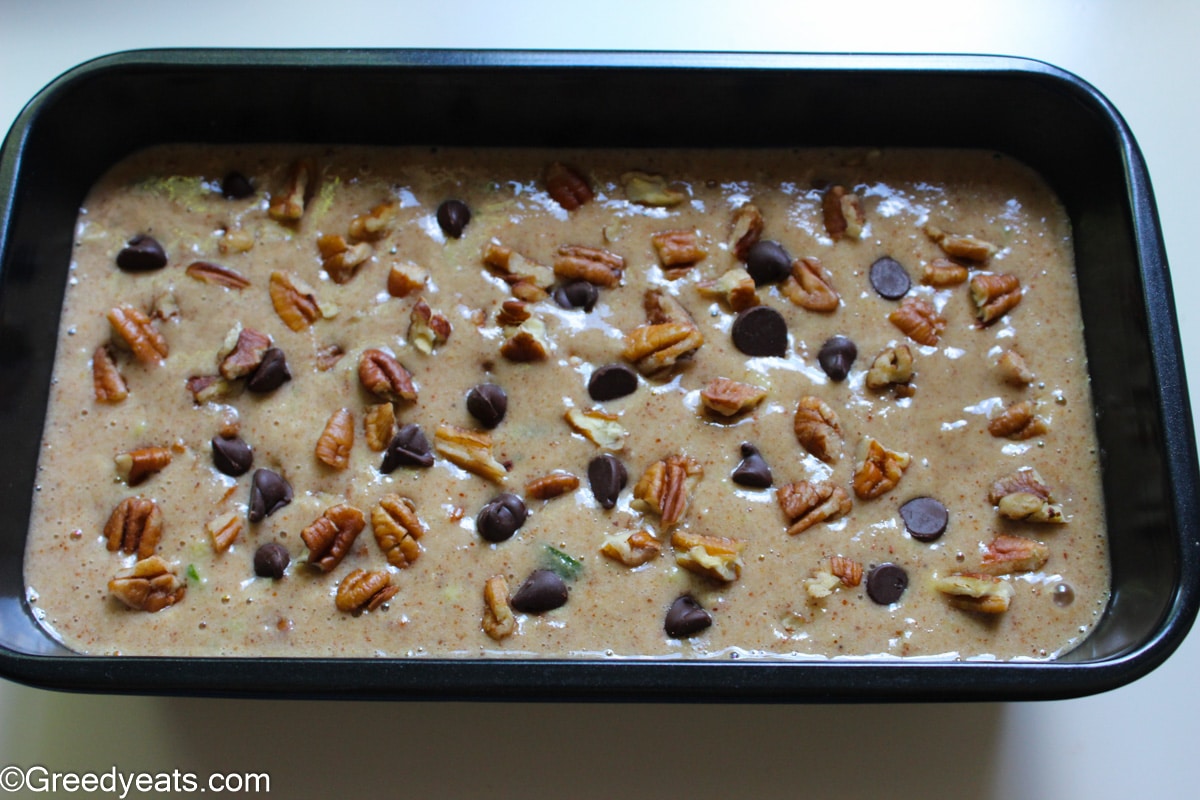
column 471, row 450
column 810, row 286
column 879, row 469
column 966, row 247
column 601, row 428
column 405, row 277
column 340, row 258
column 242, row 352
column 591, row 264
column 397, row 529
column 1006, row 554
column 942, row 272
column 650, row 190
column 107, row 384
column 735, row 287
column 527, row 343
column 330, row 535
column 1013, row 369
column 333, row 446
column 150, row 585
column 136, row 331
column 362, row 590
column 972, row 591
column 747, row 229
column 1017, row 422
column 375, row 224
column 631, row 548
column 1024, row 496
column 215, row 274
column 427, row 328
column 816, row 426
column 293, row 301
column 917, row 318
column 379, row 423
column 666, row 486
column 805, row 503
column 224, row 530
column 568, row 188
column 728, row 397
column 843, row 213
column 892, row 367
column 288, row 204
column 678, row 251
column 653, row 347
column 550, row 486
column 498, row 619
column 385, row 377
column 994, row 295
column 135, row 526
column 718, row 557
column 136, row 466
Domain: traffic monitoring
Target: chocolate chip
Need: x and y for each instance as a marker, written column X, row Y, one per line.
column 612, row 381
column 753, row 471
column 271, row 373
column 925, row 518
column 686, row 617
column 760, row 331
column 487, row 403
column 501, row 517
column 452, row 217
column 577, row 294
column 408, row 448
column 607, row 477
column 768, row 262
column 836, row 357
column 886, row 583
column 142, row 253
column 236, row 186
column 232, row 456
column 542, row 591
column 269, row 492
column 271, row 560
column 889, row 278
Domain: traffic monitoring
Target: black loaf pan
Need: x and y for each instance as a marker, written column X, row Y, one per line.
column 103, row 110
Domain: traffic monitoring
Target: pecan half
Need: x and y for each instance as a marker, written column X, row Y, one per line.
column 917, row 318
column 966, row 247
column 665, row 488
column 735, row 287
column 293, row 301
column 805, row 503
column 397, row 528
column 816, row 425
column 1006, row 554
column 107, row 384
column 650, row 190
column 288, row 204
column 362, row 590
column 527, row 343
column 678, row 251
column 591, row 264
column 379, row 423
column 1026, row 497
column 1017, row 422
column 136, row 466
column 224, row 530
column 601, row 428
column 376, row 223
column 1013, row 369
column 427, row 328
column 135, row 526
column 843, row 213
column 405, row 277
column 568, row 188
column 810, row 286
column 656, row 347
column 892, row 367
column 728, row 397
column 550, row 486
column 942, row 272
column 972, row 591
column 243, row 352
column 385, row 377
column 498, row 619
column 631, row 548
column 747, row 229
column 994, row 295
column 717, row 557
column 471, row 450
column 341, row 259
column 150, row 585
column 879, row 469
column 333, row 446
column 215, row 274
column 136, row 330
column 330, row 535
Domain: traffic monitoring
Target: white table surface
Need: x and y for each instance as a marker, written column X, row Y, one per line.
column 1137, row 741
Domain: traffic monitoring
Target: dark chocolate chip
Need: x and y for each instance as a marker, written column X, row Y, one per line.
column 889, row 278
column 612, row 381
column 232, row 456
column 686, row 617
column 408, row 448
column 236, row 186
column 501, row 517
column 271, row 373
column 487, row 403
column 269, row 492
column 886, row 583
column 142, row 253
column 452, row 217
column 607, row 477
column 271, row 560
column 753, row 471
column 542, row 591
column 836, row 357
column 760, row 331
column 768, row 262
column 925, row 518
column 577, row 294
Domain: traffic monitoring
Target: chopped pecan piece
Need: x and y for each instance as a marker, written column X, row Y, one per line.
column 385, row 377
column 512, row 313
column 375, row 224
column 631, row 548
column 735, row 287
column 209, row 387
column 498, row 618
column 655, row 347
column 135, row 526
column 293, row 301
column 917, row 318
column 650, row 190
column 362, row 590
column 242, row 352
column 892, row 367
column 1006, row 554
column 328, row 357
column 661, row 306
column 598, row 427
column 718, row 557
column 150, row 585
column 135, row 329
column 107, row 383
column 1017, row 422
column 1024, row 496
column 972, row 591
column 747, row 228
column 568, row 188
column 288, row 204
column 840, row 572
column 528, row 279
column 341, row 259
column 810, row 286
column 728, row 397
column 471, row 450
column 879, row 469
column 550, row 486
column 527, row 343
column 207, row 272
column 592, row 264
column 330, row 535
column 821, row 584
column 397, row 528
column 805, row 503
column 994, row 295
column 815, row 425
column 942, row 272
column 1013, row 369
column 333, row 446
column 136, row 466
column 379, row 423
column 236, row 241
column 427, row 328
column 966, row 247
column 224, row 530
column 678, row 251
column 666, row 486
column 843, row 213
column 847, row 569
column 405, row 277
